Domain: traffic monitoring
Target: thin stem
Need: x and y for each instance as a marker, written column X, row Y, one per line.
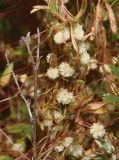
column 17, row 84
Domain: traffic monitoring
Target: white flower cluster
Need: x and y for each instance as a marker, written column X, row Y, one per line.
column 49, row 57
column 79, row 32
column 105, row 68
column 66, row 143
column 85, row 58
column 62, row 36
column 97, row 130
column 66, row 70
column 53, row 73
column 64, row 96
column 83, row 47
column 76, row 150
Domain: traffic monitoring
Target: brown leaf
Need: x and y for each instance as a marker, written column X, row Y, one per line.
column 6, row 75
column 111, row 18
column 98, row 17
column 97, row 108
column 39, row 7
column 96, row 105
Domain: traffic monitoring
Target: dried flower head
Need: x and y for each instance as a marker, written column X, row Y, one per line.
column 66, row 70
column 64, row 96
column 97, row 130
column 53, row 73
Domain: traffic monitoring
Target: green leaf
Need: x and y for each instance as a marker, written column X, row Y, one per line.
column 21, row 129
column 24, row 111
column 115, row 36
column 115, row 70
column 19, row 52
column 112, row 98
column 4, row 157
column 53, row 6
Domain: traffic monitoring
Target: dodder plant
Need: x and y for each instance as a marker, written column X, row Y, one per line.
column 71, row 109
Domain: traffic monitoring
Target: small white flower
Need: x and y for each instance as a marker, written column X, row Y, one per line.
column 62, row 36
column 105, row 68
column 85, row 58
column 93, row 64
column 59, row 148
column 97, row 130
column 66, row 70
column 64, row 96
column 58, row 38
column 53, row 73
column 49, row 57
column 66, row 33
column 76, row 150
column 66, row 1
column 23, row 78
column 79, row 32
column 18, row 147
column 67, row 141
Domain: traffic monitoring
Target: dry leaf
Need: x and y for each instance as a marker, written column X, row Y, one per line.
column 101, row 111
column 98, row 16
column 96, row 105
column 6, row 75
column 96, row 108
column 111, row 18
column 38, row 7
